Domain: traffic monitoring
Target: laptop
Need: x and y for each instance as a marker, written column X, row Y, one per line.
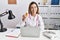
column 30, row 31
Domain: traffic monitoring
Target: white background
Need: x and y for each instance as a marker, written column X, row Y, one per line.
column 21, row 7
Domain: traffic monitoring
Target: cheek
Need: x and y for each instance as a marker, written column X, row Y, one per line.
column 31, row 9
column 36, row 9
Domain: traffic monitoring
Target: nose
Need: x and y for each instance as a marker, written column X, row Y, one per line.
column 33, row 9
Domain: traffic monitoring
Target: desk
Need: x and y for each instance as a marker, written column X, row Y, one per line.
column 3, row 37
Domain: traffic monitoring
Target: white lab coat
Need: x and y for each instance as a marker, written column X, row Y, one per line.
column 32, row 21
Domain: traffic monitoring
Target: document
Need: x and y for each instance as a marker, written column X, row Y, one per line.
column 15, row 33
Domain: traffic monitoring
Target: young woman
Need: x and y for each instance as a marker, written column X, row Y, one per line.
column 32, row 18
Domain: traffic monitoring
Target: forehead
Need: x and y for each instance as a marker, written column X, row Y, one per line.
column 33, row 5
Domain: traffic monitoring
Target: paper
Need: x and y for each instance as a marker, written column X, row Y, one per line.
column 15, row 33
column 49, row 34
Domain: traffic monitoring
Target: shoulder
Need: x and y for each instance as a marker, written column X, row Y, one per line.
column 39, row 15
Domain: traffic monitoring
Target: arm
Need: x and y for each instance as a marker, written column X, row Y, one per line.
column 24, row 17
column 41, row 23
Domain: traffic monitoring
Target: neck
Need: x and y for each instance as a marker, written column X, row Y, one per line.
column 33, row 14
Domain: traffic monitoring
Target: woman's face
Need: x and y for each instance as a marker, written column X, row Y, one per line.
column 33, row 9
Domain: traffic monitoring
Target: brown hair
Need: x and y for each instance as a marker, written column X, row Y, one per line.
column 29, row 9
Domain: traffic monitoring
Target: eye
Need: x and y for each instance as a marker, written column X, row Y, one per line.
column 31, row 7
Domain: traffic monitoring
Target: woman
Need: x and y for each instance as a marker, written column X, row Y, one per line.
column 32, row 18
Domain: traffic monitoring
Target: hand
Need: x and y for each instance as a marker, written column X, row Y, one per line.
column 23, row 17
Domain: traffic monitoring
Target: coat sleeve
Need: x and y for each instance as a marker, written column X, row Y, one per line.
column 41, row 24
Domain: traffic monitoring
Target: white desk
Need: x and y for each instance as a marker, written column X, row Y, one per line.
column 3, row 36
